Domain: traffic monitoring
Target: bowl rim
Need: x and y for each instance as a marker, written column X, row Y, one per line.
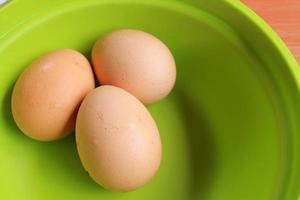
column 11, row 22
column 291, row 189
column 292, row 186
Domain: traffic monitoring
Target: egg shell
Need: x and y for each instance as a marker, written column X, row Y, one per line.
column 137, row 62
column 47, row 95
column 117, row 139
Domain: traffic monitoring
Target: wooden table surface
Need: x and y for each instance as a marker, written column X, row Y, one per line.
column 284, row 17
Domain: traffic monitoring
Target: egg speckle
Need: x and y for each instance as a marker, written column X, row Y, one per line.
column 118, row 140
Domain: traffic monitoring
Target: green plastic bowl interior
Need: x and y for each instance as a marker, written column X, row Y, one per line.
column 230, row 129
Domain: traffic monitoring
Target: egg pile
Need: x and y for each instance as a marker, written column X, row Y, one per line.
column 117, row 139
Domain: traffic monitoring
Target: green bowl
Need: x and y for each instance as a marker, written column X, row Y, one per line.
column 230, row 129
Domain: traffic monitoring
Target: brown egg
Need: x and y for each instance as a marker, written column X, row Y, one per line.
column 117, row 139
column 137, row 62
column 48, row 93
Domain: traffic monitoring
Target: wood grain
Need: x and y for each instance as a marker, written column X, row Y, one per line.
column 284, row 17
